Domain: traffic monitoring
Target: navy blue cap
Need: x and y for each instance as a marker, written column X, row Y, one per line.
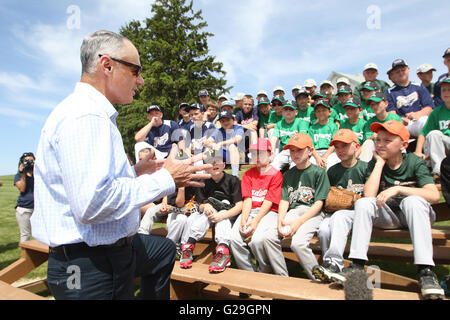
column 183, row 104
column 153, row 107
column 226, row 114
column 397, row 63
column 300, row 92
column 446, row 53
column 203, row 92
column 196, row 106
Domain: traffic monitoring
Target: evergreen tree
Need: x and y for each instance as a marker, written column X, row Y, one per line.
column 174, row 54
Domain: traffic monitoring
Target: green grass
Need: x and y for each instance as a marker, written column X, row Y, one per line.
column 10, row 251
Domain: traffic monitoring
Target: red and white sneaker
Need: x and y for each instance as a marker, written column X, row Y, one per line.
column 186, row 255
column 221, row 260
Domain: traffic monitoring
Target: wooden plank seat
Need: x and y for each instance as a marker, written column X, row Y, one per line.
column 188, row 283
column 9, row 292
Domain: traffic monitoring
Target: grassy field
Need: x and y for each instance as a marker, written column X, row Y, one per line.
column 10, row 252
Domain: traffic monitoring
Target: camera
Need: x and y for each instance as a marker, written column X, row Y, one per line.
column 28, row 165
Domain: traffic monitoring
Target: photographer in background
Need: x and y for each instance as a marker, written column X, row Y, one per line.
column 24, row 181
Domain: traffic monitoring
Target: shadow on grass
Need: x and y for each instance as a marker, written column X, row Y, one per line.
column 8, row 246
column 6, row 263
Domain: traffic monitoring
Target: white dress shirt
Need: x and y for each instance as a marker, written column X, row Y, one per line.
column 85, row 187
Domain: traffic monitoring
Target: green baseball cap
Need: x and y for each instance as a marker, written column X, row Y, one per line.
column 289, row 104
column 322, row 102
column 446, row 80
column 278, row 98
column 344, row 89
column 353, row 102
column 370, row 85
column 377, row 97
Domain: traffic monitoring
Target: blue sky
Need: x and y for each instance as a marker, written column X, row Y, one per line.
column 262, row 43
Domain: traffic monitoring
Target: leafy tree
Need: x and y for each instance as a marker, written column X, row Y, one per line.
column 176, row 65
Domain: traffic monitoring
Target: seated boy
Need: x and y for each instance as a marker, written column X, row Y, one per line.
column 398, row 194
column 200, row 131
column 349, row 174
column 434, row 138
column 264, row 112
column 230, row 140
column 248, row 118
column 343, row 94
column 284, row 129
column 321, row 134
column 354, row 121
column 304, row 109
column 378, row 103
column 367, row 90
column 276, row 115
column 220, row 201
column 261, row 194
column 305, row 189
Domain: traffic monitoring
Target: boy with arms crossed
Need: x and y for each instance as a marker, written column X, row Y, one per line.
column 398, row 193
column 305, row 189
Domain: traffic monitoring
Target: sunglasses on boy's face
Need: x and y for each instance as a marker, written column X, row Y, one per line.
column 277, row 104
column 135, row 68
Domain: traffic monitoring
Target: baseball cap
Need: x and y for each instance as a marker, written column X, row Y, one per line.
column 262, row 144
column 446, row 80
column 239, row 96
column 353, row 102
column 296, row 87
column 370, row 85
column 203, row 92
column 196, row 106
column 327, row 82
column 227, row 103
column 393, row 127
column 153, row 107
column 226, row 114
column 289, row 104
column 318, row 94
column 446, row 53
column 262, row 92
column 301, row 91
column 370, row 65
column 377, row 97
column 278, row 88
column 345, row 136
column 425, row 68
column 343, row 80
column 222, row 96
column 138, row 147
column 263, row 100
column 299, row 140
column 322, row 102
column 310, row 83
column 344, row 89
column 278, row 98
column 397, row 63
column 183, row 104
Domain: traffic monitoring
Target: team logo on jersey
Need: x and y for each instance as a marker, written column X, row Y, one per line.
column 302, row 194
column 259, row 195
column 407, row 101
column 444, row 124
column 356, row 188
column 161, row 141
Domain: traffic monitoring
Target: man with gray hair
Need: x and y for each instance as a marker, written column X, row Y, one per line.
column 87, row 196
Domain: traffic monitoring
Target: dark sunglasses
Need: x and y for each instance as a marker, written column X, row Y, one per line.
column 277, row 104
column 136, row 69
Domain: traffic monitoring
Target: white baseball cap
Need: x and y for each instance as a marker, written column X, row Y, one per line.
column 278, row 88
column 343, row 80
column 222, row 96
column 310, row 83
column 239, row 96
column 296, row 87
column 262, row 92
column 327, row 82
column 144, row 145
column 425, row 68
column 370, row 65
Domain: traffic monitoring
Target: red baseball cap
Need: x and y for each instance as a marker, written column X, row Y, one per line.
column 393, row 127
column 261, row 144
column 299, row 140
column 345, row 136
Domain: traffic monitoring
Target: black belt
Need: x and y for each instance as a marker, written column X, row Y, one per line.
column 73, row 247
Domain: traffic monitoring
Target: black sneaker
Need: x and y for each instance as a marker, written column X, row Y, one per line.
column 429, row 285
column 219, row 205
column 326, row 272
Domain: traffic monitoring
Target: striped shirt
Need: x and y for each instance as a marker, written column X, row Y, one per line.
column 85, row 188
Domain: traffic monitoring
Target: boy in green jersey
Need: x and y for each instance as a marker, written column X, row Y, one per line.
column 305, row 111
column 284, row 129
column 378, row 103
column 263, row 114
column 354, row 121
column 343, row 94
column 367, row 89
column 277, row 106
column 304, row 191
column 349, row 174
column 398, row 193
column 322, row 133
column 434, row 138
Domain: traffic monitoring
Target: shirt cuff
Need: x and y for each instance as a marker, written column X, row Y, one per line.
column 164, row 179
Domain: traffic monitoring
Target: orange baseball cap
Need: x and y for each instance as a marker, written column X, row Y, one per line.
column 299, row 140
column 345, row 136
column 393, row 127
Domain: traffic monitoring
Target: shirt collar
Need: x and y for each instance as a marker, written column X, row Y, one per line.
column 103, row 103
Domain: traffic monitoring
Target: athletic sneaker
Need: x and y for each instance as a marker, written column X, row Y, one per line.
column 221, row 260
column 429, row 285
column 179, row 252
column 186, row 255
column 326, row 272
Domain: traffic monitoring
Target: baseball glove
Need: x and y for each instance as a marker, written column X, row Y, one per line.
column 340, row 199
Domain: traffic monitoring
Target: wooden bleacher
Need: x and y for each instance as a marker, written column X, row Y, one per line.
column 198, row 282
